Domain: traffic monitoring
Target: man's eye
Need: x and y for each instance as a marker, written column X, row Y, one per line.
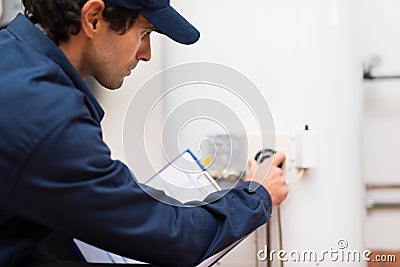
column 146, row 33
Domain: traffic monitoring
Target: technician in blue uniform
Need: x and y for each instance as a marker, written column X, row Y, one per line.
column 56, row 173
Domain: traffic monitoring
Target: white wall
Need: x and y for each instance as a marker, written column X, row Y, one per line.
column 10, row 8
column 378, row 25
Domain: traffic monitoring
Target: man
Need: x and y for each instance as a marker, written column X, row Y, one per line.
column 56, row 171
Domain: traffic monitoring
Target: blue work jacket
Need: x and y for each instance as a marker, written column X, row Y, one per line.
column 56, row 173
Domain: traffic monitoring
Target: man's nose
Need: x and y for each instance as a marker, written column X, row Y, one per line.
column 144, row 52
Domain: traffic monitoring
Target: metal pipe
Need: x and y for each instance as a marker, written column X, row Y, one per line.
column 370, row 186
column 369, row 76
column 375, row 204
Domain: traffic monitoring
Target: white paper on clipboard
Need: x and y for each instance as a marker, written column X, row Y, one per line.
column 93, row 254
column 184, row 172
column 216, row 257
column 184, row 179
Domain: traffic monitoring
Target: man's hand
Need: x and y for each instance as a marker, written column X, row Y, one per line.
column 269, row 175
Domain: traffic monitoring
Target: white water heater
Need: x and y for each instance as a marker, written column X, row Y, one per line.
column 303, row 57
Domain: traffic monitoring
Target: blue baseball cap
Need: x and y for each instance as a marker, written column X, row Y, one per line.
column 164, row 17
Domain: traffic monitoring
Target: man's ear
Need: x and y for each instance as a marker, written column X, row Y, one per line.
column 92, row 17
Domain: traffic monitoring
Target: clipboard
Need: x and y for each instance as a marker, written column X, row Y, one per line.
column 185, row 171
column 184, row 179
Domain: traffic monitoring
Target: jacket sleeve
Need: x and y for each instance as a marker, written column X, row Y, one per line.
column 69, row 183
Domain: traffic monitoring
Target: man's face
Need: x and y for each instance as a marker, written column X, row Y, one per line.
column 116, row 55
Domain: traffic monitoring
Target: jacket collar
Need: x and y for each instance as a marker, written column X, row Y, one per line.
column 26, row 31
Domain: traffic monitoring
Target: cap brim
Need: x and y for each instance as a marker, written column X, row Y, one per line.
column 169, row 22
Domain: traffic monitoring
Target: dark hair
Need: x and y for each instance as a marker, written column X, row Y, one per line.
column 62, row 17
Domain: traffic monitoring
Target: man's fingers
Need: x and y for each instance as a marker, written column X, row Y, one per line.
column 251, row 166
column 279, row 158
